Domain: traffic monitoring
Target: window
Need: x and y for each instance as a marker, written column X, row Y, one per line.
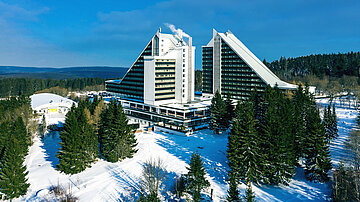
column 183, row 75
column 183, row 50
column 183, row 65
column 183, row 60
column 183, row 55
column 183, row 70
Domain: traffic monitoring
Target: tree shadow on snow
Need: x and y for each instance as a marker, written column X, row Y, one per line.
column 132, row 185
column 51, row 145
column 210, row 146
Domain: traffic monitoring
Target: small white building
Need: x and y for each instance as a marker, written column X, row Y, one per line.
column 48, row 103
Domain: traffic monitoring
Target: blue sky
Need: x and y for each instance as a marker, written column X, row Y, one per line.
column 53, row 33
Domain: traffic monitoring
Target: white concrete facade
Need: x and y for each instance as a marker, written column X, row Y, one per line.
column 169, row 47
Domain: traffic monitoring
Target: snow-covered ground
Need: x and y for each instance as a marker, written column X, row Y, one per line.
column 106, row 181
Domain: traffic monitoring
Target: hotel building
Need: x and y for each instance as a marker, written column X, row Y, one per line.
column 230, row 67
column 158, row 89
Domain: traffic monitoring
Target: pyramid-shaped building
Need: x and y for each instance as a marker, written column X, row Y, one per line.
column 230, row 67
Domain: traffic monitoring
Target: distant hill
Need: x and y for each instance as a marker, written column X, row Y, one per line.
column 62, row 73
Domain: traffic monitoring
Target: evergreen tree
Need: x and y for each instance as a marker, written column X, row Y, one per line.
column 218, row 121
column 244, row 158
column 330, row 123
column 4, row 137
column 152, row 197
column 233, row 192
column 117, row 139
column 249, row 194
column 300, row 103
column 327, row 122
column 278, row 141
column 20, row 132
column 195, row 177
column 13, row 174
column 229, row 110
column 334, row 129
column 318, row 161
column 79, row 147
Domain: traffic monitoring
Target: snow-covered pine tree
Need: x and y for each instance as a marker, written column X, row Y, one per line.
column 218, row 121
column 195, row 178
column 13, row 181
column 243, row 147
column 318, row 161
column 117, row 139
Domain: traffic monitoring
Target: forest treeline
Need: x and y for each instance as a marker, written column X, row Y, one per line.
column 28, row 86
column 333, row 65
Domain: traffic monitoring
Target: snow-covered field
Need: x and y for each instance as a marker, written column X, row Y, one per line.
column 120, row 181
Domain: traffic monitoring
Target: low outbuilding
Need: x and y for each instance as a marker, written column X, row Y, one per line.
column 48, row 103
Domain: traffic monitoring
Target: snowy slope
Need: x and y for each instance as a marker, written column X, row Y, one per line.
column 106, row 181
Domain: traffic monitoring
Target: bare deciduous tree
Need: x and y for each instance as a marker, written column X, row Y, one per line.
column 153, row 175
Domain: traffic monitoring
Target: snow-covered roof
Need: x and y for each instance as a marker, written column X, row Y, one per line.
column 38, row 100
column 253, row 62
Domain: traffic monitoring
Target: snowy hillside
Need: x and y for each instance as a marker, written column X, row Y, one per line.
column 106, row 181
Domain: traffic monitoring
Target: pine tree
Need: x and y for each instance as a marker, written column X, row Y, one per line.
column 278, row 141
column 300, row 103
column 233, row 192
column 195, row 178
column 244, row 158
column 318, row 161
column 13, row 174
column 218, row 121
column 79, row 146
column 4, row 137
column 229, row 110
column 21, row 134
column 334, row 129
column 117, row 140
column 249, row 194
column 327, row 122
